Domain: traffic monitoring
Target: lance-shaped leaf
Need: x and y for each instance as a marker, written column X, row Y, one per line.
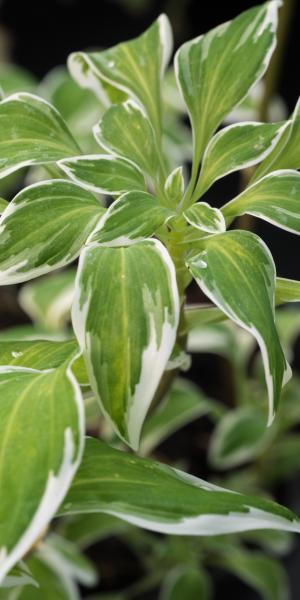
column 205, row 217
column 236, row 147
column 154, row 496
column 287, row 290
column 103, row 174
column 215, row 71
column 134, row 67
column 286, row 153
column 48, row 300
column 133, row 216
column 128, row 342
column 44, row 228
column 126, row 131
column 32, row 132
column 274, row 198
column 41, row 440
column 236, row 271
column 238, row 438
column 263, row 573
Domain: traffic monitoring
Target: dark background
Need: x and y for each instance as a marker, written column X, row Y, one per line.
column 43, row 32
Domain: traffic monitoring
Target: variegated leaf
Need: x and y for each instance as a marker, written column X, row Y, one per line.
column 274, row 198
column 32, row 132
column 237, row 147
column 126, row 131
column 286, row 153
column 154, row 496
column 236, row 271
column 216, row 70
column 134, row 67
column 41, row 441
column 134, row 216
column 126, row 328
column 103, row 174
column 206, row 218
column 44, row 228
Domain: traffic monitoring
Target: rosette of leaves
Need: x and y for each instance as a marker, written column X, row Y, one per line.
column 136, row 259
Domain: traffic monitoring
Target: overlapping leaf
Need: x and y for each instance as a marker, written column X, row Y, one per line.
column 237, row 147
column 134, row 67
column 31, row 132
column 125, row 131
column 236, row 271
column 126, row 328
column 206, row 218
column 134, row 216
column 216, row 70
column 286, row 153
column 44, row 228
column 103, row 174
column 40, row 448
column 274, row 198
column 159, row 498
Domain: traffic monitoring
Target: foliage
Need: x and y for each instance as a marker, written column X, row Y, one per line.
column 112, row 334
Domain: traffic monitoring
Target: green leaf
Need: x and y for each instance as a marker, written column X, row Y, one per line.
column 125, row 131
column 50, row 585
column 186, row 582
column 66, row 558
column 274, row 198
column 215, row 71
column 236, row 147
column 134, row 67
column 87, row 529
column 103, row 174
column 236, row 271
column 3, row 205
column 36, row 354
column 287, row 290
column 19, row 575
column 41, row 441
column 133, row 216
column 197, row 315
column 174, row 186
column 286, row 154
column 16, row 79
column 205, row 217
column 263, row 573
column 42, row 355
column 128, row 342
column 55, row 218
column 238, row 438
column 183, row 403
column 48, row 300
column 157, row 497
column 32, row 133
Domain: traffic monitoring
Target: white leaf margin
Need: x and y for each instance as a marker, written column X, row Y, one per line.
column 91, row 80
column 21, row 97
column 152, row 355
column 57, row 485
column 258, row 213
column 249, row 163
column 253, row 331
